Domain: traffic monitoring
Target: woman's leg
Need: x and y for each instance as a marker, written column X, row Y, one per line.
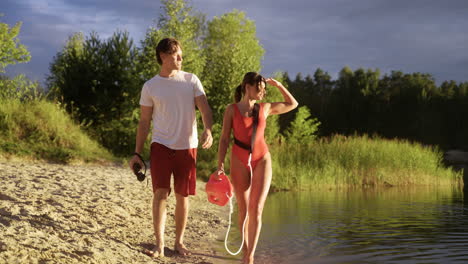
column 261, row 181
column 240, row 177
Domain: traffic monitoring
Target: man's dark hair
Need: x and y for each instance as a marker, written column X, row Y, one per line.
column 168, row 46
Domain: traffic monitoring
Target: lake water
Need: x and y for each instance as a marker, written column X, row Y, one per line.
column 394, row 225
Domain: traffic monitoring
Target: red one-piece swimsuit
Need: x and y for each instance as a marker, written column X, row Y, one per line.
column 242, row 127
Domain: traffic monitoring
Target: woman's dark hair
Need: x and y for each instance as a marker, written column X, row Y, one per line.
column 168, row 46
column 251, row 78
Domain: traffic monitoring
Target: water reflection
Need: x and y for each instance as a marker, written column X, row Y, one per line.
column 414, row 225
column 465, row 187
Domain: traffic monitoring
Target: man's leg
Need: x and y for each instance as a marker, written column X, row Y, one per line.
column 159, row 219
column 181, row 215
column 161, row 170
column 185, row 175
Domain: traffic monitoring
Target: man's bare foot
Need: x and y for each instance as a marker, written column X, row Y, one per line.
column 155, row 252
column 182, row 250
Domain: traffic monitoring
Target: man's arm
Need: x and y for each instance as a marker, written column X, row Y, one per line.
column 207, row 116
column 142, row 132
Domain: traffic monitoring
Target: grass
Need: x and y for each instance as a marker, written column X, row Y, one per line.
column 38, row 129
column 358, row 161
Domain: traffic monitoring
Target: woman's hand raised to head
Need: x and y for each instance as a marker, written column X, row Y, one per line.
column 273, row 82
column 289, row 103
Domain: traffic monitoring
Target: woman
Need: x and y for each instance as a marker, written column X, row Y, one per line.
column 250, row 190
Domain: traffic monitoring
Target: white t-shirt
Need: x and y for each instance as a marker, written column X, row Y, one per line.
column 173, row 102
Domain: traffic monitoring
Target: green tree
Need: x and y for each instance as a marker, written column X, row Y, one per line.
column 231, row 50
column 97, row 76
column 63, row 69
column 180, row 21
column 11, row 50
column 147, row 64
column 323, row 87
column 344, row 102
column 272, row 130
column 304, row 128
column 448, row 89
column 20, row 87
column 98, row 83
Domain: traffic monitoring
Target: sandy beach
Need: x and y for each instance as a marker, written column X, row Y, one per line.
column 52, row 213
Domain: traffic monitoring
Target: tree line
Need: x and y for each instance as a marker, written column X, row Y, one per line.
column 396, row 105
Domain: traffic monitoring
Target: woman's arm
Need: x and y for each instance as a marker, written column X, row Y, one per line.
column 225, row 136
column 289, row 103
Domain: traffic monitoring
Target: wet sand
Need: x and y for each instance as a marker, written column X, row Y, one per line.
column 51, row 213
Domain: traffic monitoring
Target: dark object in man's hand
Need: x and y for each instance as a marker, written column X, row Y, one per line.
column 136, row 170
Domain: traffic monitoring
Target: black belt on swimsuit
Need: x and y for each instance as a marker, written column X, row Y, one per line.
column 254, row 131
column 242, row 145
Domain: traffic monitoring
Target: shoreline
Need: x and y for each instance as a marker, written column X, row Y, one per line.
column 91, row 213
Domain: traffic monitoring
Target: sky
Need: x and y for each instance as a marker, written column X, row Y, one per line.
column 299, row 36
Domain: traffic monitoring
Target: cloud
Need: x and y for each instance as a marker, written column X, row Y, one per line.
column 298, row 35
column 391, row 35
column 47, row 24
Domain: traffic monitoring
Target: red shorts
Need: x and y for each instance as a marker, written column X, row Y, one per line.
column 180, row 163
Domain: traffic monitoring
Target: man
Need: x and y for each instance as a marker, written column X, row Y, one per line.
column 169, row 99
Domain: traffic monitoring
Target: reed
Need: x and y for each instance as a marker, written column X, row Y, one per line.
column 358, row 161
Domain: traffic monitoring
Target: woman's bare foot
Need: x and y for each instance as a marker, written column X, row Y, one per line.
column 182, row 250
column 247, row 260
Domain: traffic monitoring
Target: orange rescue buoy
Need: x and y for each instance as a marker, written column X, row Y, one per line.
column 219, row 189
